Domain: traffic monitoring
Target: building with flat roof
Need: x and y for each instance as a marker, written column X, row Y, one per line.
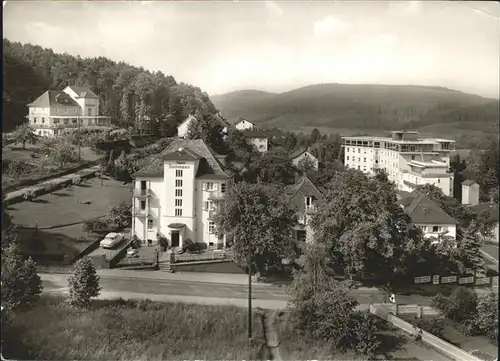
column 408, row 160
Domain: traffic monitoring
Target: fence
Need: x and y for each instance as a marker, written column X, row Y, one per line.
column 207, row 256
column 442, row 346
column 437, row 279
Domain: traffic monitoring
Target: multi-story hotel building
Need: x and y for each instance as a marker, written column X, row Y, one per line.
column 408, row 160
column 178, row 194
column 73, row 107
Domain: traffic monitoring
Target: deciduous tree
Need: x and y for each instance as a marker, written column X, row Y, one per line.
column 25, row 134
column 257, row 218
column 21, row 285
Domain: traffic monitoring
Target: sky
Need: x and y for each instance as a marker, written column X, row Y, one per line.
column 277, row 46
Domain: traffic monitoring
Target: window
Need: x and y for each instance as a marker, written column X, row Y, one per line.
column 364, row 160
column 211, row 227
column 359, row 159
column 43, row 120
column 359, row 167
column 209, row 186
column 56, row 121
column 89, row 111
column 347, row 158
column 150, row 223
column 143, row 205
column 359, row 150
column 412, row 157
column 348, row 149
column 34, row 120
column 90, row 121
column 178, row 202
column 223, row 187
column 178, row 192
column 66, row 110
column 178, row 212
column 439, row 180
column 74, row 121
column 178, row 173
column 206, row 206
column 301, row 236
column 309, row 201
column 178, row 182
column 57, row 110
column 436, row 229
column 376, row 162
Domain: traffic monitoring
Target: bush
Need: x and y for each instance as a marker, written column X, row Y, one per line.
column 364, row 339
column 95, row 225
column 459, row 306
column 21, row 285
column 76, row 180
column 433, row 325
column 487, row 315
column 18, row 168
column 83, row 284
column 29, row 195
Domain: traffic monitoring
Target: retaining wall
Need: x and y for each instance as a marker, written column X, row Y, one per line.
column 440, row 345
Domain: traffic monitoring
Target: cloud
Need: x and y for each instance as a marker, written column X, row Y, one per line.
column 330, row 26
column 274, row 9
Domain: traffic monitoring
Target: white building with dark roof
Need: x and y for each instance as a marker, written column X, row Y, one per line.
column 72, row 107
column 301, row 155
column 428, row 215
column 178, row 194
column 409, row 161
column 257, row 138
column 243, row 124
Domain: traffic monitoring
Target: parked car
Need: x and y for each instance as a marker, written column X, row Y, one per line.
column 111, row 240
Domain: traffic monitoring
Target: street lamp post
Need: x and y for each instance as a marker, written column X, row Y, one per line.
column 249, row 294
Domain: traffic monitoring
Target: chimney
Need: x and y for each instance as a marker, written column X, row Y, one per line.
column 470, row 192
column 221, row 158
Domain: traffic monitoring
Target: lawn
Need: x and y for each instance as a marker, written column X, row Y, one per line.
column 32, row 155
column 143, row 330
column 61, row 209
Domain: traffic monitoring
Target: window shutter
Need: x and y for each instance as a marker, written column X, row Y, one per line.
column 206, row 206
column 216, row 186
column 204, row 186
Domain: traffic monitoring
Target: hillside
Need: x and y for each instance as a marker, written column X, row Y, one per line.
column 128, row 94
column 362, row 107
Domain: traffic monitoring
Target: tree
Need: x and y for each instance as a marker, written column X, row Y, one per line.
column 257, row 217
column 271, row 169
column 21, row 285
column 64, row 154
column 83, row 284
column 25, row 134
column 315, row 136
column 366, row 228
column 207, row 128
column 487, row 315
column 8, row 228
column 120, row 215
column 122, row 167
column 460, row 306
column 307, row 165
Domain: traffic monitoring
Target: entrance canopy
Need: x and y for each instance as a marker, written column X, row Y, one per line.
column 176, row 225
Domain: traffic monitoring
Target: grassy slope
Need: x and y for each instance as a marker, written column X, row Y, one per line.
column 372, row 107
column 143, row 331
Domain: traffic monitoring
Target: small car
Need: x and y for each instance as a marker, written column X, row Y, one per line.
column 111, row 240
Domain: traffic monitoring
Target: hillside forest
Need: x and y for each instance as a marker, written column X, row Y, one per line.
column 132, row 96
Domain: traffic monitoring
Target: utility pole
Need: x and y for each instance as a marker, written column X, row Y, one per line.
column 249, row 293
column 78, row 138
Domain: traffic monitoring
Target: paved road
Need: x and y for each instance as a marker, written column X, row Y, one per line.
column 194, row 291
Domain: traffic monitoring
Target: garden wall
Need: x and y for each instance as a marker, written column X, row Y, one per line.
column 210, row 266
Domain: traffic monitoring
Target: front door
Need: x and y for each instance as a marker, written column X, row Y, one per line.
column 175, row 239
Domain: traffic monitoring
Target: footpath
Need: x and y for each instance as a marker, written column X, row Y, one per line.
column 54, row 182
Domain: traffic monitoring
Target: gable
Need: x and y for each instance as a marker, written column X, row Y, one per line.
column 303, row 188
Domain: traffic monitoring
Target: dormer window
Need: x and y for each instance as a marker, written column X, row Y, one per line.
column 309, row 201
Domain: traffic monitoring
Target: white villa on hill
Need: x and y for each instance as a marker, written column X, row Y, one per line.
column 408, row 160
column 72, row 107
column 178, row 194
column 183, row 128
column 243, row 124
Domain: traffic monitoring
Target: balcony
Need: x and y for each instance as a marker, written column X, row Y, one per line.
column 212, row 213
column 142, row 193
column 216, row 195
column 311, row 210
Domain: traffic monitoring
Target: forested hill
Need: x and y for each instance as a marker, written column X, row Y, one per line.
column 128, row 94
column 346, row 106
